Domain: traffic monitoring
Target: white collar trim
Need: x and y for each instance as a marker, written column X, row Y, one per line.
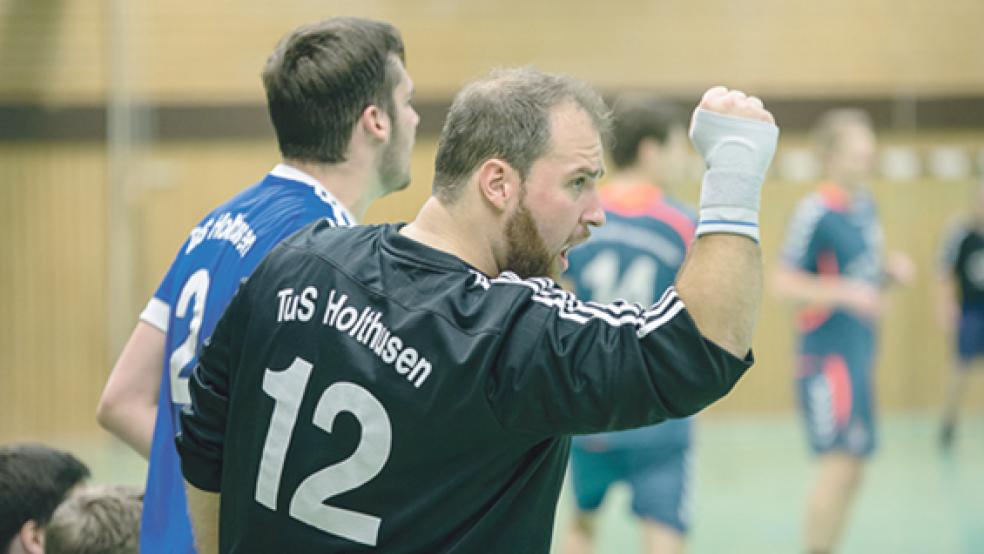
column 285, row 171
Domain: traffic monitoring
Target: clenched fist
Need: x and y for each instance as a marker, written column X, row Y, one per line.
column 736, row 136
column 735, row 103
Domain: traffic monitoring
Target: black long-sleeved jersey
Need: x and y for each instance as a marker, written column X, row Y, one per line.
column 365, row 391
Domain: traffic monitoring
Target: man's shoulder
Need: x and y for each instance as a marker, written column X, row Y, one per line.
column 247, row 225
column 274, row 199
column 813, row 211
column 325, row 233
column 323, row 243
column 269, row 211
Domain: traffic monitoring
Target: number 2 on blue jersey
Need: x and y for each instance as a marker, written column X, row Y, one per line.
column 194, row 292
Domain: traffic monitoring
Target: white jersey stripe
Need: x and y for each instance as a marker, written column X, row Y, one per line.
column 570, row 308
column 156, row 314
column 285, row 171
column 619, row 308
column 676, row 308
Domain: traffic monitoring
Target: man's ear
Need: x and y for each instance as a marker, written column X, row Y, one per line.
column 31, row 537
column 499, row 183
column 376, row 122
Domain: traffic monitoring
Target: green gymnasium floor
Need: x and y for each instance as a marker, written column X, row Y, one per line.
column 752, row 477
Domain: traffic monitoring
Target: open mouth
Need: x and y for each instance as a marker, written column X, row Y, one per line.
column 565, row 252
column 564, row 262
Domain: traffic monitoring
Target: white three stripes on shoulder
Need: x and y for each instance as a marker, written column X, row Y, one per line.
column 616, row 314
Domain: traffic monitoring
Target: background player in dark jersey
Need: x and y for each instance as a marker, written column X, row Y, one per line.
column 833, row 267
column 380, row 387
column 339, row 99
column 961, row 302
column 636, row 257
column 34, row 479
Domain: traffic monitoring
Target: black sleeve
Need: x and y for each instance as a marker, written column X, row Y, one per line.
column 203, row 422
column 572, row 367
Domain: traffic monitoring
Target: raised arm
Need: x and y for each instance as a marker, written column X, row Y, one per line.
column 723, row 298
column 721, row 280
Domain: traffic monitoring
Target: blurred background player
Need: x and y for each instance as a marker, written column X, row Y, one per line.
column 339, row 99
column 635, row 256
column 97, row 520
column 961, row 304
column 833, row 267
column 34, row 479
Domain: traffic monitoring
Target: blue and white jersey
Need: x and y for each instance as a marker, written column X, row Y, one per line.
column 220, row 252
column 635, row 256
column 834, row 234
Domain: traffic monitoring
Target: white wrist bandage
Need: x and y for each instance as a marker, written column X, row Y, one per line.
column 738, row 152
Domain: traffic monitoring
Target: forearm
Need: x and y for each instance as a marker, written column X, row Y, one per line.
column 203, row 510
column 128, row 405
column 132, row 423
column 721, row 285
column 721, row 280
column 810, row 290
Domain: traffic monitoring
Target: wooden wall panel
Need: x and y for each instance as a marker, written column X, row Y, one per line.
column 52, row 289
column 770, row 46
column 53, row 293
column 192, row 51
column 53, row 51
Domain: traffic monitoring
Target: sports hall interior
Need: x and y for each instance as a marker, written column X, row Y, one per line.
column 123, row 122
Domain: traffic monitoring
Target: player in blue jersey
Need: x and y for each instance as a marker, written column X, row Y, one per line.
column 961, row 305
column 635, row 257
column 834, row 268
column 339, row 99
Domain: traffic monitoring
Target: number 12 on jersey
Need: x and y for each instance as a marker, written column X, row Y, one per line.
column 286, row 387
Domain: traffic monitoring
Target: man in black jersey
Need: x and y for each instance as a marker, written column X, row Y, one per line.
column 412, row 388
column 961, row 305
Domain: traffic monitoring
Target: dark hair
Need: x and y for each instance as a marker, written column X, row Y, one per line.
column 829, row 128
column 638, row 117
column 320, row 79
column 99, row 520
column 34, row 479
column 507, row 116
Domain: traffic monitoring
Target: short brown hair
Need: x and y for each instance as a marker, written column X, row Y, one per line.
column 506, row 115
column 321, row 77
column 98, row 520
